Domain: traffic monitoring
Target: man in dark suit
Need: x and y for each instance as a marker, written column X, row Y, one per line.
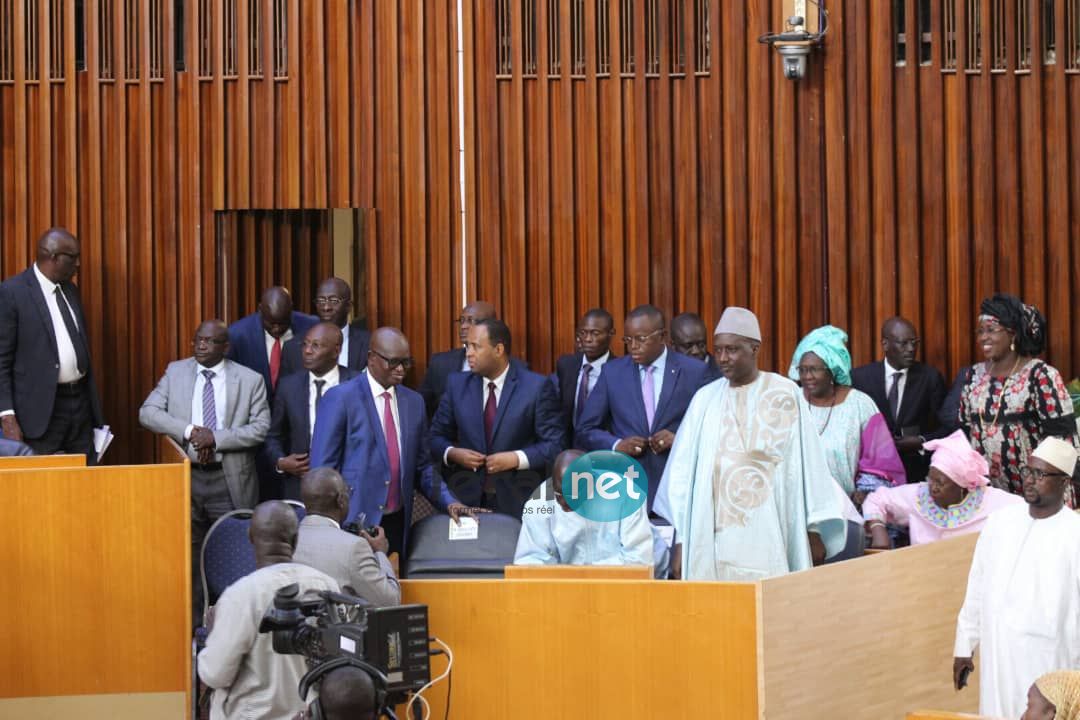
column 257, row 341
column 296, row 405
column 48, row 398
column 577, row 373
column 444, row 364
column 689, row 336
column 333, row 303
column 373, row 430
column 499, row 427
column 908, row 393
column 641, row 398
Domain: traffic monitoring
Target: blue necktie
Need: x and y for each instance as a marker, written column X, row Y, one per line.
column 209, row 407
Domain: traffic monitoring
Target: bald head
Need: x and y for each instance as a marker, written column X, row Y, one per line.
column 275, row 309
column 389, row 356
column 558, row 470
column 58, row 255
column 273, row 532
column 324, row 492
column 689, row 336
column 347, row 693
column 471, row 314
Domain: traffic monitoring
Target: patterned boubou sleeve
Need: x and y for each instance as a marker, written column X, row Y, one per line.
column 1052, row 406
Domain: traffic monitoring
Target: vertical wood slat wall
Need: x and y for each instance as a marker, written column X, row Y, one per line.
column 869, row 188
column 353, row 105
column 636, row 171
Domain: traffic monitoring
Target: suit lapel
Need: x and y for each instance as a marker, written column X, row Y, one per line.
column 374, row 414
column 911, row 390
column 505, row 398
column 303, row 398
column 633, row 385
column 671, row 378
column 37, row 297
column 185, row 390
column 232, row 396
column 475, row 397
column 404, row 416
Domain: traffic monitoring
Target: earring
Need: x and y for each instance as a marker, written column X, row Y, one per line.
column 1012, row 346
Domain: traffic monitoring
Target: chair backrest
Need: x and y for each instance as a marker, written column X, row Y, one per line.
column 227, row 554
column 433, row 555
column 298, row 506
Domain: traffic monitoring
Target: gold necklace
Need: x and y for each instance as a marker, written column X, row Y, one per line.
column 1001, row 398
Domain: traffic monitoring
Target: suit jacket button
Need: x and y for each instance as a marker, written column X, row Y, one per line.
column 57, row 366
column 382, row 507
column 386, row 483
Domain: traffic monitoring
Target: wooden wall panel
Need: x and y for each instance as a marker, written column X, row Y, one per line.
column 138, row 166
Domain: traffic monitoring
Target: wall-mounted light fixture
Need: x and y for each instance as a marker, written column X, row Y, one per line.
column 800, row 36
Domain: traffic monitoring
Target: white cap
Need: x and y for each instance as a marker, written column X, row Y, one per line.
column 739, row 321
column 1059, row 453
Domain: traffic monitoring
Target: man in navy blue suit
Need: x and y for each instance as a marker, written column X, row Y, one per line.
column 689, row 336
column 296, row 405
column 443, row 365
column 373, row 430
column 333, row 303
column 576, row 374
column 257, row 341
column 637, row 405
column 499, row 427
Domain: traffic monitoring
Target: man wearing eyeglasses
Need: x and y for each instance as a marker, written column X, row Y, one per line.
column 48, row 398
column 373, row 430
column 444, row 364
column 577, row 373
column 333, row 303
column 640, row 400
column 907, row 392
column 216, row 410
column 1022, row 607
column 297, row 403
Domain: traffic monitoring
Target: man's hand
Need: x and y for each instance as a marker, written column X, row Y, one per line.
column 206, row 455
column 295, row 464
column 12, row 431
column 466, row 458
column 909, row 444
column 661, row 441
column 817, row 548
column 378, row 541
column 456, row 510
column 501, row 462
column 879, row 538
column 633, row 446
column 202, row 437
column 676, row 561
column 959, row 665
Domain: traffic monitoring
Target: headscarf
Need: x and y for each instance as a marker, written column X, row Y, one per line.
column 1025, row 320
column 954, row 456
column 1062, row 689
column 830, row 344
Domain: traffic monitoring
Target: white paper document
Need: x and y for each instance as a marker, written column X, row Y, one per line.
column 103, row 437
column 469, row 529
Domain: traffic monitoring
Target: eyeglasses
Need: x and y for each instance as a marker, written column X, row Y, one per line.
column 592, row 334
column 329, row 300
column 392, row 363
column 640, row 339
column 1036, row 474
column 469, row 320
column 199, row 340
column 811, row 371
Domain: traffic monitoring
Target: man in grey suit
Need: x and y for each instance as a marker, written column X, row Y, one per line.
column 358, row 564
column 216, row 410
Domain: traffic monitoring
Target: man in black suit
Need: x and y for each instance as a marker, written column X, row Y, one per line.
column 296, row 403
column 689, row 336
column 47, row 394
column 908, row 393
column 578, row 372
column 333, row 303
column 444, row 364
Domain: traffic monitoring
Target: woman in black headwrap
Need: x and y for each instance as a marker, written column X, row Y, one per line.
column 1013, row 400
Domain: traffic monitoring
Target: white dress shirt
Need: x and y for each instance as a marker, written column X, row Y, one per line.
column 377, row 390
column 69, row 364
column 500, row 381
column 594, row 374
column 465, row 365
column 332, row 378
column 343, row 357
column 889, row 371
column 197, row 403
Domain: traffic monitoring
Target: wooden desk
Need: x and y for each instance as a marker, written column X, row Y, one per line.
column 578, row 572
column 31, row 462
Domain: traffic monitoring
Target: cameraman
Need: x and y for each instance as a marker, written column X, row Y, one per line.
column 251, row 680
column 358, row 564
column 347, row 693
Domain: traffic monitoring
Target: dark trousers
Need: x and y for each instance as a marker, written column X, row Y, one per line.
column 209, row 501
column 393, row 524
column 71, row 426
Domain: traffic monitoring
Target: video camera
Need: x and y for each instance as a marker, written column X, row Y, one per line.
column 390, row 643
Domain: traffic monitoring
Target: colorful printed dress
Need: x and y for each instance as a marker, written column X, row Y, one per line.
column 1006, row 418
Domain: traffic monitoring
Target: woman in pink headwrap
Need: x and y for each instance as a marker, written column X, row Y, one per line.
column 955, row 499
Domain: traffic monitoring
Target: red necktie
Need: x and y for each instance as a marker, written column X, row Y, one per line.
column 275, row 363
column 393, row 452
column 489, row 414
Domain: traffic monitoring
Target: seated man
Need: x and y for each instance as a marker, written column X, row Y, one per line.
column 553, row 534
column 250, row 680
column 358, row 564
